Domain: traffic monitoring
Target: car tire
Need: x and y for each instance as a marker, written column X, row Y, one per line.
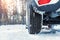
column 35, row 21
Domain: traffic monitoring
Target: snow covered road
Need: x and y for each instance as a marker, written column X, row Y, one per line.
column 19, row 32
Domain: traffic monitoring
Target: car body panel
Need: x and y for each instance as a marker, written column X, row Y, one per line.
column 51, row 2
column 46, row 8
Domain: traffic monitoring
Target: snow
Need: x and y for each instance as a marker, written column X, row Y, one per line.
column 19, row 32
